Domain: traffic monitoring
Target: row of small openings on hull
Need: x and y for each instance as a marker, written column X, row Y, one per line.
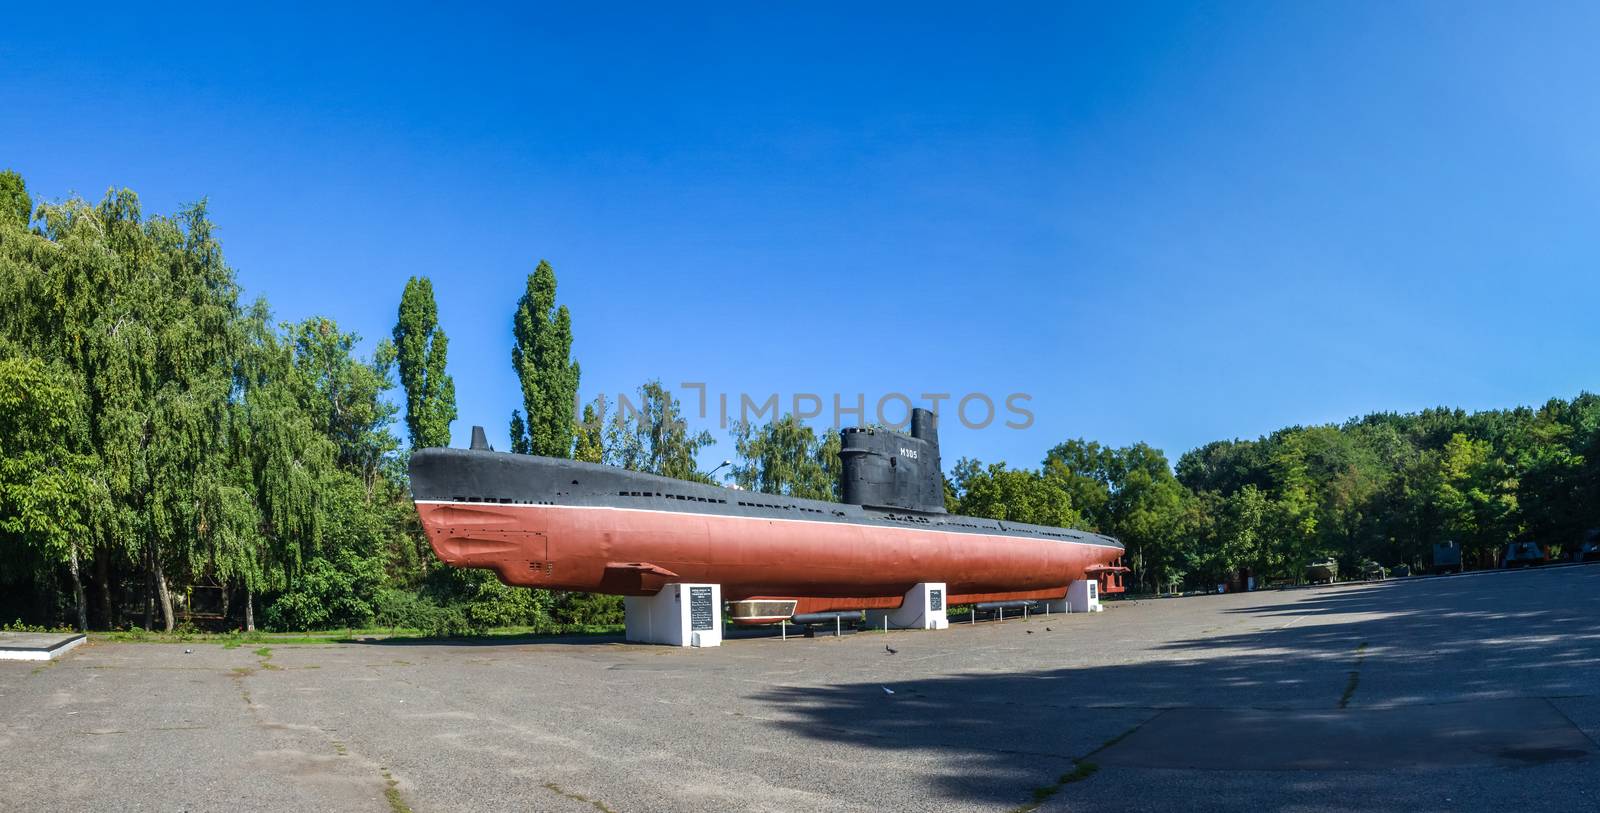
column 907, row 518
column 685, row 497
column 501, row 500
column 1000, row 527
column 801, row 508
column 994, row 527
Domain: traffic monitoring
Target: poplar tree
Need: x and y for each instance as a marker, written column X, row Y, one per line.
column 421, row 347
column 16, row 207
column 542, row 357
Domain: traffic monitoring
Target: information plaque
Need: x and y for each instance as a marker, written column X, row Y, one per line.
column 936, row 600
column 700, row 610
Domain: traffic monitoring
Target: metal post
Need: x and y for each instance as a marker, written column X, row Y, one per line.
column 783, row 627
column 886, row 624
column 1002, row 613
column 836, row 626
column 973, row 620
column 1025, row 612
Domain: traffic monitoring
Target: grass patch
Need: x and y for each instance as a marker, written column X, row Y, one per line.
column 1082, row 769
column 598, row 805
column 391, row 793
column 232, row 640
column 1080, row 772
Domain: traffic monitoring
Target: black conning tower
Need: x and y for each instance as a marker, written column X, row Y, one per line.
column 892, row 469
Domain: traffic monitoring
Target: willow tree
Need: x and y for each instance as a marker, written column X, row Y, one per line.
column 139, row 310
column 45, row 488
column 267, row 517
column 542, row 358
column 421, row 348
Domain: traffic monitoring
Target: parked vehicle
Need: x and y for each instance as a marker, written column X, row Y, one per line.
column 1525, row 554
column 1324, row 572
column 1400, row 571
column 1446, row 557
column 1589, row 549
column 1372, row 571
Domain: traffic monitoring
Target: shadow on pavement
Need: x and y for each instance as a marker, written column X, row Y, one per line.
column 1355, row 668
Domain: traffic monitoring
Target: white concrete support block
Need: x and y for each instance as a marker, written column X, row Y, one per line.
column 1083, row 596
column 678, row 615
column 923, row 608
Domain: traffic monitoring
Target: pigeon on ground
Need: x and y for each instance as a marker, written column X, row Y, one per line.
column 1047, row 629
column 889, row 649
column 1030, row 632
column 188, row 652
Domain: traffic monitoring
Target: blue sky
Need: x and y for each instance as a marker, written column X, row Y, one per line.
column 1164, row 223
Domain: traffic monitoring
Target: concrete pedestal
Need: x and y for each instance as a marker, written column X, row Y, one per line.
column 679, row 615
column 1083, row 596
column 922, row 609
column 37, row 646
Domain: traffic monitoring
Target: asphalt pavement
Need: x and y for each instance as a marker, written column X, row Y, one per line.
column 1475, row 692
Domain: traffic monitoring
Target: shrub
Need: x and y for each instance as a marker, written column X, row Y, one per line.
column 329, row 594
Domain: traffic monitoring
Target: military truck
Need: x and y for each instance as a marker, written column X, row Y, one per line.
column 1526, row 553
column 1323, row 572
column 1446, row 558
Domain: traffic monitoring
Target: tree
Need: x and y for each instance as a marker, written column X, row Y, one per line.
column 1083, row 468
column 421, row 348
column 654, row 437
column 45, row 487
column 541, row 356
column 345, row 394
column 16, row 207
column 786, row 457
column 142, row 312
column 1018, row 495
column 591, row 443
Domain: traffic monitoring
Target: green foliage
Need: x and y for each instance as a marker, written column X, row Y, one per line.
column 541, row 356
column 16, row 207
column 344, row 395
column 482, row 602
column 1019, row 495
column 47, row 488
column 590, row 446
column 653, row 437
column 421, row 348
column 786, row 457
column 325, row 594
column 586, row 610
column 394, row 608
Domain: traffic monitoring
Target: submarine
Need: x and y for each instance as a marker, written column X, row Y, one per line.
column 569, row 525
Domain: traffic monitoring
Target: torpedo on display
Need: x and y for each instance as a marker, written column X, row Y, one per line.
column 568, row 525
